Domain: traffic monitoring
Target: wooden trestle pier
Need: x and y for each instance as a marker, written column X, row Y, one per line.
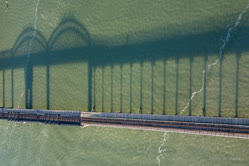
column 232, row 127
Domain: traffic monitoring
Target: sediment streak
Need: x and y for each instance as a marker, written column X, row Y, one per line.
column 160, row 150
column 221, row 53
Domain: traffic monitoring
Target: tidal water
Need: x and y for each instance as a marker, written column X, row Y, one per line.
column 44, row 145
column 152, row 57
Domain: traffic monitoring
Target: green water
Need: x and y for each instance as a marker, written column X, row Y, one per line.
column 122, row 56
column 125, row 55
column 36, row 144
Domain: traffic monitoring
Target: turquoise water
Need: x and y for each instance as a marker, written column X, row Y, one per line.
column 123, row 56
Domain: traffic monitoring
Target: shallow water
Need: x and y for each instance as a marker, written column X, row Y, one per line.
column 150, row 57
column 39, row 144
column 123, row 56
column 59, row 53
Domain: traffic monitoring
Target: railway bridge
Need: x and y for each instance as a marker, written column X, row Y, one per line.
column 231, row 127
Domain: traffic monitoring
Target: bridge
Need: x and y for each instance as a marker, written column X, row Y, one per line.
column 217, row 126
column 42, row 116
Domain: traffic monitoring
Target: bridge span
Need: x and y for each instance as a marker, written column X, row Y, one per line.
column 229, row 127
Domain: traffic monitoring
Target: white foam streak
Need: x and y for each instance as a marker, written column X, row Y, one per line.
column 160, row 150
column 221, row 49
column 29, row 50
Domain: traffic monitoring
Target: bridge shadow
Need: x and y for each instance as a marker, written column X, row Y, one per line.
column 177, row 86
column 71, row 43
column 236, row 114
column 190, row 84
column 3, row 88
column 37, row 51
column 164, row 86
column 205, row 86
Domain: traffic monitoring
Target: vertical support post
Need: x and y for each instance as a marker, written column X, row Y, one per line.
column 220, row 86
column 205, row 86
column 237, row 85
column 177, row 74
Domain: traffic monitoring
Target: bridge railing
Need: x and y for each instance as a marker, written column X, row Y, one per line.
column 38, row 111
column 195, row 119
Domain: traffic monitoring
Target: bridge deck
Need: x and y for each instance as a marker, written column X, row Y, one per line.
column 235, row 127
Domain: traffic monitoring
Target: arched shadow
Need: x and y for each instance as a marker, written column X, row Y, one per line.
column 36, row 42
column 76, row 33
column 71, row 43
column 32, row 44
